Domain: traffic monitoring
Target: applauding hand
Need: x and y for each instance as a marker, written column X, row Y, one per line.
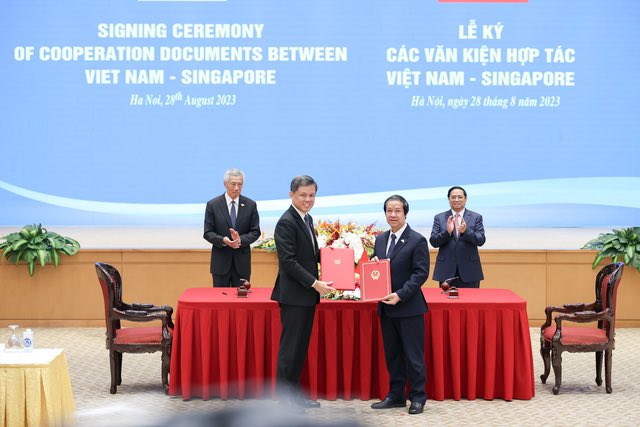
column 450, row 224
column 462, row 227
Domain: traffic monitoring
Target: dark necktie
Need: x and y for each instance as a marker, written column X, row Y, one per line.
column 232, row 213
column 392, row 246
column 307, row 220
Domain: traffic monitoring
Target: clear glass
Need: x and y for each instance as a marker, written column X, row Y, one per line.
column 14, row 343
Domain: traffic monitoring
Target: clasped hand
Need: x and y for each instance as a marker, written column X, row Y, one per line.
column 235, row 243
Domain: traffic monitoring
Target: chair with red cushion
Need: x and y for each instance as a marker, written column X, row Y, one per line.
column 600, row 339
column 146, row 339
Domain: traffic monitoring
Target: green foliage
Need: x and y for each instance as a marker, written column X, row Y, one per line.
column 619, row 245
column 35, row 244
column 268, row 244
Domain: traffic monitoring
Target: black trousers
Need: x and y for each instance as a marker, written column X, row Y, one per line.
column 403, row 339
column 297, row 323
column 231, row 279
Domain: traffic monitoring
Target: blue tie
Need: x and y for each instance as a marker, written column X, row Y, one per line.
column 392, row 246
column 232, row 213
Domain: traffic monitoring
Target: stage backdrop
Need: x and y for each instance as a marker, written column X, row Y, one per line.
column 128, row 112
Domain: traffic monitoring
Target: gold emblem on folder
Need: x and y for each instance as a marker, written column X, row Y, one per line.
column 375, row 274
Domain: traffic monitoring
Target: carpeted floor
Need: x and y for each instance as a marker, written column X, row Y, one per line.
column 141, row 401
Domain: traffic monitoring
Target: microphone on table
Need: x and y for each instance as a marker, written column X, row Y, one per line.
column 447, row 283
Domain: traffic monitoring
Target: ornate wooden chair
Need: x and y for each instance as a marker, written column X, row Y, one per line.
column 134, row 339
column 555, row 339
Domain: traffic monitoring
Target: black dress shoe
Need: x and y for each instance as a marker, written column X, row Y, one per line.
column 416, row 408
column 306, row 403
column 388, row 403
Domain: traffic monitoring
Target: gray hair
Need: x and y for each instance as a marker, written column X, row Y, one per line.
column 302, row 181
column 233, row 172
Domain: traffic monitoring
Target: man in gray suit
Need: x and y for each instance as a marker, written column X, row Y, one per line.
column 231, row 225
column 458, row 233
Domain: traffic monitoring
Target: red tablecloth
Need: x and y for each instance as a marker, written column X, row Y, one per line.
column 477, row 346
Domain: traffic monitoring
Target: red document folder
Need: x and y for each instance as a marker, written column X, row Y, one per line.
column 375, row 280
column 337, row 265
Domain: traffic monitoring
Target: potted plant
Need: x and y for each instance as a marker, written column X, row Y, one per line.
column 34, row 243
column 619, row 245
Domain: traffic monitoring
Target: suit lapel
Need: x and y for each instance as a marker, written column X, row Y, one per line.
column 314, row 241
column 401, row 243
column 240, row 212
column 224, row 210
column 384, row 240
column 304, row 228
column 466, row 216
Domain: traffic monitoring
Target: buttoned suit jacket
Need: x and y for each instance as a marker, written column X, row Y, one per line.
column 298, row 258
column 217, row 223
column 409, row 270
column 461, row 254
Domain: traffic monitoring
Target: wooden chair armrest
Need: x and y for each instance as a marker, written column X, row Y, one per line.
column 135, row 312
column 549, row 310
column 140, row 315
column 149, row 308
column 582, row 317
column 580, row 306
column 139, row 305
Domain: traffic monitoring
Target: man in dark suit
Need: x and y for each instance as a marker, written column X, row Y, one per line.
column 231, row 224
column 297, row 289
column 402, row 311
column 458, row 233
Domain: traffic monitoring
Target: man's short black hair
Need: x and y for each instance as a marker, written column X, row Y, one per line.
column 456, row 188
column 397, row 198
column 302, row 181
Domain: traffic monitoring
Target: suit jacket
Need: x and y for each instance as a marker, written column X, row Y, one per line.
column 217, row 223
column 462, row 253
column 298, row 258
column 409, row 271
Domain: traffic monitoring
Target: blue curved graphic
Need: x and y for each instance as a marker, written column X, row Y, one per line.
column 547, row 202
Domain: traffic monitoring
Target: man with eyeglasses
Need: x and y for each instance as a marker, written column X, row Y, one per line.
column 457, row 233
